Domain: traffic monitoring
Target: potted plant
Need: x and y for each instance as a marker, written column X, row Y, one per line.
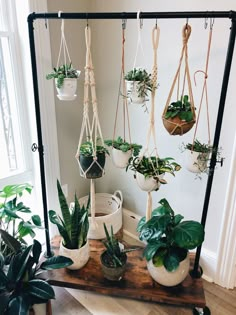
column 65, row 81
column 92, row 161
column 168, row 240
column 73, row 228
column 179, row 117
column 114, row 258
column 20, row 285
column 15, row 217
column 149, row 171
column 138, row 83
column 122, row 151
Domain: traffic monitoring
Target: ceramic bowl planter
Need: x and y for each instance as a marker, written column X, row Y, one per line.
column 121, row 159
column 167, row 278
column 68, row 90
column 90, row 168
column 113, row 273
column 148, row 183
column 133, row 94
column 79, row 256
column 196, row 162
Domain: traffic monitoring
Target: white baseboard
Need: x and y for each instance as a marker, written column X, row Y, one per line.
column 207, row 260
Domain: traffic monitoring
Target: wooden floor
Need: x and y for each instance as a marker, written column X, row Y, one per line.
column 76, row 302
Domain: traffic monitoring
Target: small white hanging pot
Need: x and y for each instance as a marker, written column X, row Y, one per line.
column 119, row 158
column 133, row 93
column 79, row 256
column 149, row 183
column 67, row 92
column 167, row 278
column 196, row 162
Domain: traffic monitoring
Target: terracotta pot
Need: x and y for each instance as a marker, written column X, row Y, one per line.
column 196, row 162
column 176, row 126
column 120, row 159
column 148, row 183
column 111, row 273
column 68, row 90
column 97, row 168
column 166, row 278
column 79, row 256
column 133, row 94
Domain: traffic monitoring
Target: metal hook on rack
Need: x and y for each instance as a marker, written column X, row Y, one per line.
column 45, row 21
column 87, row 25
column 156, row 24
column 59, row 14
column 206, row 23
column 212, row 21
column 187, row 19
column 124, row 22
column 140, row 20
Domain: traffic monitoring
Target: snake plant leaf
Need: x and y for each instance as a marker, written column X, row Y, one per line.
column 64, row 208
column 41, row 289
column 75, row 225
column 56, row 262
column 22, row 262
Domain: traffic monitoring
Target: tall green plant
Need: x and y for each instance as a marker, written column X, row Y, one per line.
column 74, row 225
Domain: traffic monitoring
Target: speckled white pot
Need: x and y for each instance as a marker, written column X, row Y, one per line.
column 120, row 159
column 166, row 278
column 149, row 183
column 132, row 92
column 79, row 256
column 196, row 162
column 68, row 90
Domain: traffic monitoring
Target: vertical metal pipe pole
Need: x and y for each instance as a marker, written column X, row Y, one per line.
column 39, row 132
column 195, row 273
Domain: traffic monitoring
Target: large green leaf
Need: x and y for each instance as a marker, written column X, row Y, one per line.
column 23, row 261
column 18, row 305
column 36, row 220
column 56, row 262
column 4, row 298
column 64, row 208
column 3, row 279
column 167, row 206
column 11, row 214
column 151, row 249
column 188, row 234
column 41, row 289
column 11, row 242
column 37, row 249
column 171, row 262
column 155, row 227
column 12, row 190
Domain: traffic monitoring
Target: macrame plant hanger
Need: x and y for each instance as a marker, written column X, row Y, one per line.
column 175, row 127
column 123, row 93
column 92, row 131
column 151, row 129
column 204, row 89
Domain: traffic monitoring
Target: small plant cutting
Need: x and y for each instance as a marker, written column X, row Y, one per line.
column 149, row 171
column 73, row 227
column 15, row 217
column 114, row 258
column 122, row 151
column 169, row 239
column 138, row 82
column 20, row 285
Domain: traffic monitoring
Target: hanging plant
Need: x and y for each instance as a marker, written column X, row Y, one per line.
column 60, row 74
column 149, row 171
column 122, row 151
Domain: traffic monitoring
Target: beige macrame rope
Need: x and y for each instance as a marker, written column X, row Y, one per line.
column 204, row 92
column 186, row 32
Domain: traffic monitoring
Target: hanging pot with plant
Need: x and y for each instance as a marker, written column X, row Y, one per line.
column 122, row 151
column 168, row 240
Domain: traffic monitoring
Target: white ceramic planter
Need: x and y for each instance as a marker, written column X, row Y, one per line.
column 132, row 92
column 149, row 183
column 68, row 90
column 196, row 162
column 166, row 278
column 120, row 159
column 79, row 256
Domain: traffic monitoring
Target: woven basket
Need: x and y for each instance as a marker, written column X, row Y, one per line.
column 176, row 126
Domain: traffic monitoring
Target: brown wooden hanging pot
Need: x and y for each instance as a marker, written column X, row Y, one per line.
column 179, row 117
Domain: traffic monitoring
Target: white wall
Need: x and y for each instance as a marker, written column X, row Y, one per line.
column 184, row 193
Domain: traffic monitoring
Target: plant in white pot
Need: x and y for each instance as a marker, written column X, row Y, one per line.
column 168, row 241
column 122, row 151
column 73, row 228
column 149, row 171
column 138, row 83
column 65, row 81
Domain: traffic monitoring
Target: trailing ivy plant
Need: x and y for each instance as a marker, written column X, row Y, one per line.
column 15, row 217
column 124, row 146
column 168, row 237
column 143, row 78
column 62, row 72
column 181, row 108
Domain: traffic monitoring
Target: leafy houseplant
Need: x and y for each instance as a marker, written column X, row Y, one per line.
column 73, row 228
column 114, row 258
column 11, row 219
column 92, row 161
column 168, row 240
column 122, row 151
column 152, row 170
column 20, row 287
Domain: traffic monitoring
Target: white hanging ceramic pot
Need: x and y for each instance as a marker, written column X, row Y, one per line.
column 68, row 90
column 148, row 183
column 120, row 159
column 167, row 278
column 133, row 94
column 79, row 256
column 196, row 162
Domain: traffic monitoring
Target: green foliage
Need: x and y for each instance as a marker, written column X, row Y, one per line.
column 181, row 108
column 19, row 286
column 74, row 225
column 143, row 78
column 124, row 146
column 168, row 237
column 197, row 146
column 87, row 149
column 15, row 217
column 153, row 166
column 62, row 72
